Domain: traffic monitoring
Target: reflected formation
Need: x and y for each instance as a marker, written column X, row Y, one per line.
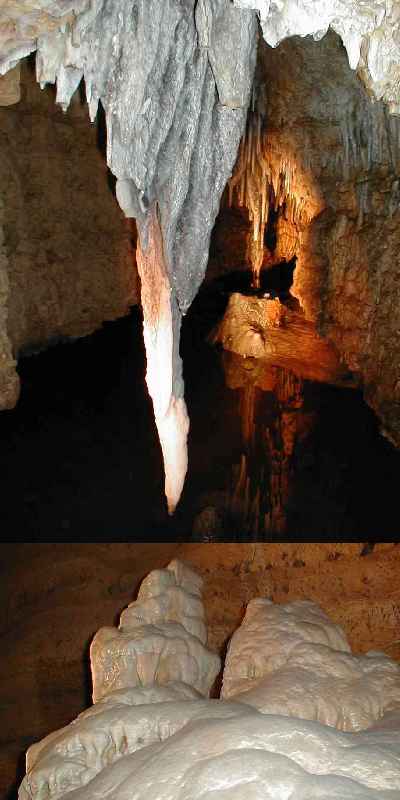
column 276, row 364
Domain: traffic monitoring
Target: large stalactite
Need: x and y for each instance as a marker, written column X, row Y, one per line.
column 175, row 90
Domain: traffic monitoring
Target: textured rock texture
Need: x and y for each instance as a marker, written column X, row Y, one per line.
column 70, row 263
column 175, row 90
column 147, row 739
column 10, row 90
column 161, row 638
column 206, row 749
column 262, row 483
column 328, row 161
column 292, row 660
column 271, row 331
column 23, row 22
column 369, row 32
column 9, row 382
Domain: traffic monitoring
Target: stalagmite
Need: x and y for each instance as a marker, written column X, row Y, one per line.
column 153, row 733
column 292, row 660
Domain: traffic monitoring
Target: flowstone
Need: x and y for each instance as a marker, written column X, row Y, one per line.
column 157, row 737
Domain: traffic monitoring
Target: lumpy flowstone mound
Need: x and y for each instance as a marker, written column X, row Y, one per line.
column 300, row 716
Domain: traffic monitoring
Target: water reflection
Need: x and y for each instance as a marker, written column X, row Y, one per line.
column 301, row 451
column 272, row 453
column 273, row 422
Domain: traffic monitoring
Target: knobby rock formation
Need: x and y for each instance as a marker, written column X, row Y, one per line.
column 299, row 715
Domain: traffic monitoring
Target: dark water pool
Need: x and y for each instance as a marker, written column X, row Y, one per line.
column 80, row 458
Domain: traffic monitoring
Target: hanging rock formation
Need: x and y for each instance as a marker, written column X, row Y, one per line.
column 157, row 737
column 369, row 32
column 175, row 89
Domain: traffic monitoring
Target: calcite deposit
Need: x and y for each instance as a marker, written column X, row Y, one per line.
column 175, row 89
column 368, row 30
column 292, row 660
column 272, row 332
column 161, row 638
column 164, row 741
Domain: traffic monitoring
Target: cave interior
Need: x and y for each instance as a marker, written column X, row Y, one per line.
column 291, row 385
column 199, row 336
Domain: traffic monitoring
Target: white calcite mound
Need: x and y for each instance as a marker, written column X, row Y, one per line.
column 293, row 660
column 164, row 741
column 161, row 638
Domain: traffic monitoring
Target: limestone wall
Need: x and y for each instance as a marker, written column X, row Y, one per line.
column 331, row 161
column 70, row 253
column 9, row 383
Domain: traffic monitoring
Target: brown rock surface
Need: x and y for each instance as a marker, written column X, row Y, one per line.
column 360, row 593
column 67, row 254
column 270, row 331
column 54, row 599
column 55, row 596
column 331, row 161
column 9, row 382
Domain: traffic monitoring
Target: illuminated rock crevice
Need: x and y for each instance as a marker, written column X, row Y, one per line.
column 328, row 159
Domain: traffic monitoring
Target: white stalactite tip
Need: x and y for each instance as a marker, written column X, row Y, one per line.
column 170, row 412
column 173, row 430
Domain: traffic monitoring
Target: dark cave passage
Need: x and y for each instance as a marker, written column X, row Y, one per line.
column 80, row 457
column 274, row 281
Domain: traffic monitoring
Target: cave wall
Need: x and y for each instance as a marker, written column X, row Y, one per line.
column 53, row 598
column 68, row 253
column 9, row 383
column 345, row 153
column 331, row 157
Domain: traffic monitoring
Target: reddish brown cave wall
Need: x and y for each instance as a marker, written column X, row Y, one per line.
column 341, row 155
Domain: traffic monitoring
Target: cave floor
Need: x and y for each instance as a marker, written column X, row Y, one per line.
column 80, row 458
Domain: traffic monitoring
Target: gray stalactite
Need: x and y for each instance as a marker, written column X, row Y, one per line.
column 175, row 80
